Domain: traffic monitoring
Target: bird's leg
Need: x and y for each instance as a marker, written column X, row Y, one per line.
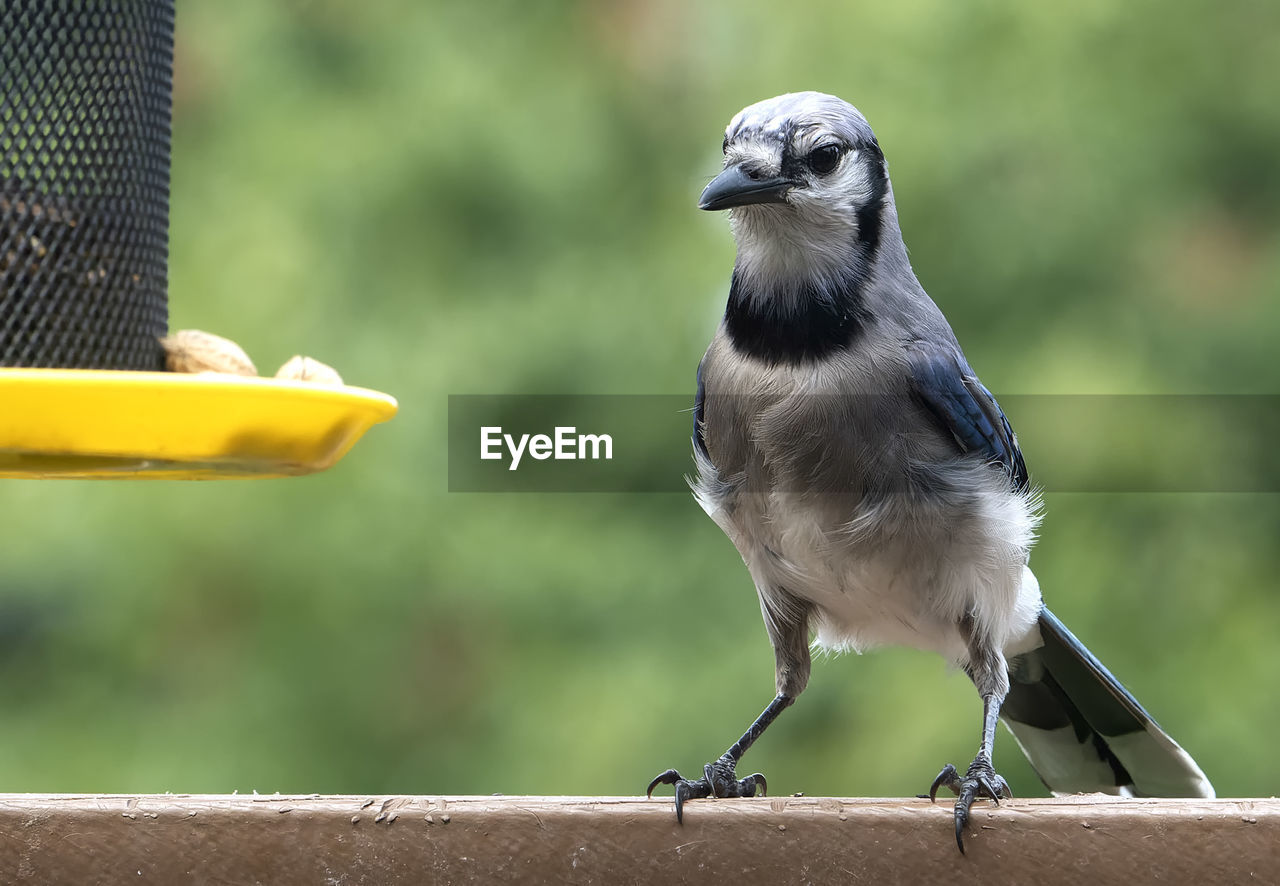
column 788, row 624
column 989, row 673
column 980, row 780
column 720, row 779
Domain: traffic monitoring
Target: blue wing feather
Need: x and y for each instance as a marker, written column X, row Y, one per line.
column 699, row 440
column 948, row 387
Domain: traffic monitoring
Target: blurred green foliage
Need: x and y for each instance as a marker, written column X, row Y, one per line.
column 461, row 198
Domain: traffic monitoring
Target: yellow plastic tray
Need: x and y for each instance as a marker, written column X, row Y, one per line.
column 126, row 425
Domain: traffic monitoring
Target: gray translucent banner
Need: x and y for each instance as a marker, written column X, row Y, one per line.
column 1072, row 443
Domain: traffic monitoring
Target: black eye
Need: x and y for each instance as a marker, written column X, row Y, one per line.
column 724, row 147
column 824, row 159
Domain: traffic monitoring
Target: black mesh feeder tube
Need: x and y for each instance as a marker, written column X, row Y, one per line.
column 85, row 110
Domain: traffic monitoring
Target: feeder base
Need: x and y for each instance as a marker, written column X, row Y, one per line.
column 133, row 425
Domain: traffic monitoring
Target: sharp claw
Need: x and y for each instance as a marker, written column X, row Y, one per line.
column 948, row 777
column 964, row 803
column 979, row 781
column 668, row 777
column 747, row 787
column 989, row 789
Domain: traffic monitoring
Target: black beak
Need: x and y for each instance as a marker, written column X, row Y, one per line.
column 734, row 187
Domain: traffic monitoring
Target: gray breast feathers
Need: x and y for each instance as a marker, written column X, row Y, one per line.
column 845, row 493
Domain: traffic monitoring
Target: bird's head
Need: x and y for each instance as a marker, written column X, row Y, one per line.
column 807, row 186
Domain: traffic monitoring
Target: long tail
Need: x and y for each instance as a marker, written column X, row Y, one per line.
column 1083, row 731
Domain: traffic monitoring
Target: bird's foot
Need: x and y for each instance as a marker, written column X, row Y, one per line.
column 718, row 780
column 981, row 780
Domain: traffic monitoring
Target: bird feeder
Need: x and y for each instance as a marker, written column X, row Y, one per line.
column 85, row 111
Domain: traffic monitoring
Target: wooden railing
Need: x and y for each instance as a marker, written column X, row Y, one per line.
column 286, row 840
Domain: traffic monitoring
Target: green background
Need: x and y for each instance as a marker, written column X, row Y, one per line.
column 498, row 198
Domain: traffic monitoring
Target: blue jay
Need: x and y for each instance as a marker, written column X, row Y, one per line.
column 872, row 485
